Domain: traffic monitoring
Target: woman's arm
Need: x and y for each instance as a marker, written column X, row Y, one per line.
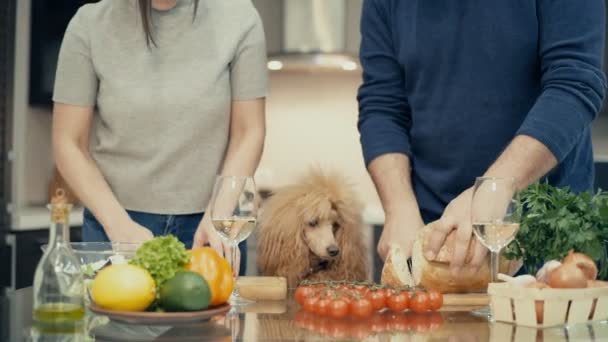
column 247, row 133
column 71, row 130
column 245, row 147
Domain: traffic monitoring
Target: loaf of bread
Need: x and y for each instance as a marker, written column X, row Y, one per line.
column 436, row 274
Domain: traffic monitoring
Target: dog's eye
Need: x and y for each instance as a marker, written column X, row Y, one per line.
column 336, row 226
column 313, row 223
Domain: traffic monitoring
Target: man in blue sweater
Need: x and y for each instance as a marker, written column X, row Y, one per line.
column 458, row 89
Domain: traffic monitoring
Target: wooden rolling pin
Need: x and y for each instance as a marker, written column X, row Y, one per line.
column 262, row 288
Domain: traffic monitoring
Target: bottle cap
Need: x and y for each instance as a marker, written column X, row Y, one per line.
column 60, row 208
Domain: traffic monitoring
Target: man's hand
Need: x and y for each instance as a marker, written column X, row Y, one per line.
column 457, row 216
column 130, row 231
column 400, row 229
column 206, row 235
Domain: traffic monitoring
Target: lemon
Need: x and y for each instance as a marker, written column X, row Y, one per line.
column 123, row 288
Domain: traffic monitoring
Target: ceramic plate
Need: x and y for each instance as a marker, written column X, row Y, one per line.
column 162, row 318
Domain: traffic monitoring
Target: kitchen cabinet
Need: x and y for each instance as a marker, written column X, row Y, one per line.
column 25, row 250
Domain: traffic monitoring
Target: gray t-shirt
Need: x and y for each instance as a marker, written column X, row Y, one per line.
column 161, row 128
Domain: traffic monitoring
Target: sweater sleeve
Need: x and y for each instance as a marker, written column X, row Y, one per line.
column 384, row 115
column 571, row 43
column 248, row 72
column 76, row 81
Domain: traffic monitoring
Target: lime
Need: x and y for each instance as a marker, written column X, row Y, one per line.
column 186, row 291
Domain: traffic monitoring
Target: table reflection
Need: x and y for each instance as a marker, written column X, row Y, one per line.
column 285, row 321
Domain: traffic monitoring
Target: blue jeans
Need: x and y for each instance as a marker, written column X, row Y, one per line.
column 181, row 226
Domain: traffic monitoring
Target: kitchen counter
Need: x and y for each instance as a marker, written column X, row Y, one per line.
column 283, row 321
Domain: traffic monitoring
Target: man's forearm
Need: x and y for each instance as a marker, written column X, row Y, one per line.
column 526, row 159
column 392, row 177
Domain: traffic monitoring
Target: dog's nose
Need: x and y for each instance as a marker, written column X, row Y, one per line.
column 333, row 251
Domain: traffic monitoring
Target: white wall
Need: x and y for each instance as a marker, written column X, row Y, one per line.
column 312, row 121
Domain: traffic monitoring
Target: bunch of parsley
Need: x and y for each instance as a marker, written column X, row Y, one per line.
column 556, row 220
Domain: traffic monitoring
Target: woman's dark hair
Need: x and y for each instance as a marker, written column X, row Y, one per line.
column 145, row 9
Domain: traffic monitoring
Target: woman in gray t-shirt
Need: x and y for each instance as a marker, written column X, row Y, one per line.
column 179, row 90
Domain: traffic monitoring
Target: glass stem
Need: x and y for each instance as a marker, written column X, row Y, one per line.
column 235, row 274
column 494, row 266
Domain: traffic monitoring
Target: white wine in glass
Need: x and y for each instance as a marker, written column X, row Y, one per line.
column 495, row 235
column 235, row 228
column 495, row 220
column 234, row 214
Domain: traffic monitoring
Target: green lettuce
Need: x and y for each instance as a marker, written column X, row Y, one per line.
column 162, row 256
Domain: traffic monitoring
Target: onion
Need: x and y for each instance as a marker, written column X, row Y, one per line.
column 568, row 276
column 543, row 273
column 539, row 305
column 584, row 262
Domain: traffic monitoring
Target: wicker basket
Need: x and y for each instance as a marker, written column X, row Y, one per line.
column 561, row 306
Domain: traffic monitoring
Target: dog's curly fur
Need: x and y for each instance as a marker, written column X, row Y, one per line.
column 283, row 250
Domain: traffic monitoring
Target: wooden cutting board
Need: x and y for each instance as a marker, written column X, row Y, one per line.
column 262, row 288
column 275, row 289
column 464, row 302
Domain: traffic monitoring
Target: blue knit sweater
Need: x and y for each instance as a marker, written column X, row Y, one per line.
column 450, row 83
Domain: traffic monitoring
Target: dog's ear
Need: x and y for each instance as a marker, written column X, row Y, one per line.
column 353, row 263
column 282, row 250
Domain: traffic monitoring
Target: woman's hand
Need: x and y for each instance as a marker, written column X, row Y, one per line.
column 130, row 231
column 206, row 234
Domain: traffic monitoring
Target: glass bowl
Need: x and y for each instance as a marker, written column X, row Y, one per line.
column 93, row 256
column 91, row 253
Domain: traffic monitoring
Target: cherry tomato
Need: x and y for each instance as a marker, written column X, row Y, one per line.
column 435, row 300
column 377, row 298
column 321, row 306
column 360, row 290
column 420, row 302
column 388, row 292
column 343, row 288
column 398, row 301
column 338, row 308
column 361, row 308
column 348, row 298
column 309, row 303
column 302, row 292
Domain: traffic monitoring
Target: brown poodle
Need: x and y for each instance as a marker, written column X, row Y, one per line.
column 312, row 230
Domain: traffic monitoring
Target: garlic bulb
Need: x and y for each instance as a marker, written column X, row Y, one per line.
column 522, row 280
column 543, row 274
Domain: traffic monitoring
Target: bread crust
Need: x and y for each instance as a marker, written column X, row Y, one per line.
column 437, row 274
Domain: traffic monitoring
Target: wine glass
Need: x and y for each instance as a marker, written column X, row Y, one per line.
column 495, row 219
column 233, row 214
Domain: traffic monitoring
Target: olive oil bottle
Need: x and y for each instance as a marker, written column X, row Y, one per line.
column 58, row 281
